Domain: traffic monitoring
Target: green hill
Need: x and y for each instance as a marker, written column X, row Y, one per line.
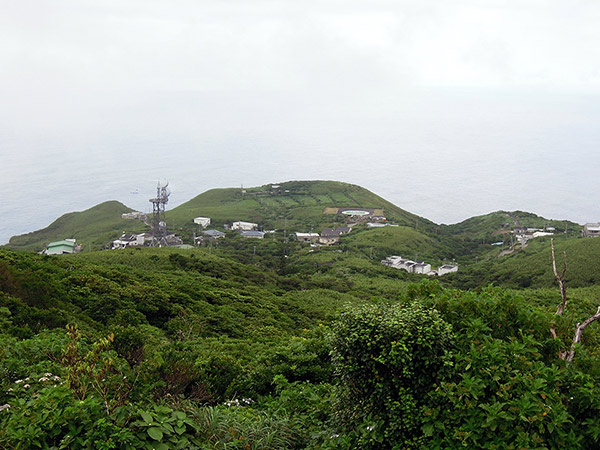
column 93, row 228
column 494, row 226
column 294, row 205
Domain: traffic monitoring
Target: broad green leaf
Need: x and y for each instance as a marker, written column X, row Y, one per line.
column 155, row 433
column 179, row 415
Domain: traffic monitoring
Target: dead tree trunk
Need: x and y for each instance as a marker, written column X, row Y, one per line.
column 567, row 355
column 561, row 284
column 579, row 333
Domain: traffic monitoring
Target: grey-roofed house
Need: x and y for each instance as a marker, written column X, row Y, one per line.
column 213, row 233
column 329, row 236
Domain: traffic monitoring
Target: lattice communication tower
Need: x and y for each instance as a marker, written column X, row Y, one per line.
column 159, row 225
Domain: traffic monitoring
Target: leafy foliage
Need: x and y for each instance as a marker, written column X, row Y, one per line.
column 387, row 358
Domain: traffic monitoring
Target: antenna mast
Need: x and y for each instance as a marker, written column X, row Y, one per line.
column 159, row 225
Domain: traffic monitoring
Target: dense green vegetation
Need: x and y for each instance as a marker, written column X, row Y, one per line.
column 225, row 348
column 274, row 344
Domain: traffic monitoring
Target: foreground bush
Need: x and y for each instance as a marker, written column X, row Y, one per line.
column 387, row 359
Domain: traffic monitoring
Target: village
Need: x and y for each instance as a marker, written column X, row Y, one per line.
column 158, row 236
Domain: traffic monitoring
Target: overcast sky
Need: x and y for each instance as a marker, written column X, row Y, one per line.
column 407, row 91
column 59, row 55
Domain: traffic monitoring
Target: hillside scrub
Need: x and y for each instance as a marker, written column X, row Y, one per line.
column 222, row 354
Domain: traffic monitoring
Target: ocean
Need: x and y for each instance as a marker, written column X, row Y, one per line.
column 446, row 156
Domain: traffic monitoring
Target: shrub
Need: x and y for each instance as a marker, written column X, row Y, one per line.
column 387, row 358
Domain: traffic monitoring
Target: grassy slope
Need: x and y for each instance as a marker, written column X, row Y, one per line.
column 533, row 265
column 92, row 227
column 403, row 241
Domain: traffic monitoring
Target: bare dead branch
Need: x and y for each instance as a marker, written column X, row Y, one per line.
column 560, row 280
column 579, row 333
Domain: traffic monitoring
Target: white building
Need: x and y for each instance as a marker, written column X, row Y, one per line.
column 131, row 240
column 202, row 221
column 244, row 226
column 420, row 267
column 134, row 215
column 307, row 237
column 591, row 230
column 446, row 268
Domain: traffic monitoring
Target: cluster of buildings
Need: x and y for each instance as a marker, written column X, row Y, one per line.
column 245, row 229
column 328, row 236
column 143, row 240
column 524, row 234
column 398, row 262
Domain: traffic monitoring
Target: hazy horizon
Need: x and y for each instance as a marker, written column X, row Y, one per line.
column 448, row 110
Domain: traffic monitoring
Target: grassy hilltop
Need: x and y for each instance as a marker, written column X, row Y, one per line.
column 297, row 205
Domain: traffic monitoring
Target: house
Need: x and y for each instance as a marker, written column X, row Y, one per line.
column 447, row 268
column 380, row 225
column 421, row 267
column 216, row 234
column 62, row 247
column 344, row 230
column 202, row 221
column 173, row 241
column 591, row 230
column 134, row 215
column 244, row 226
column 329, row 236
column 132, row 240
column 398, row 262
column 307, row 237
column 209, row 236
column 252, row 234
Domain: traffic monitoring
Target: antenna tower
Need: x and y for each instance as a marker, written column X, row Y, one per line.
column 159, row 225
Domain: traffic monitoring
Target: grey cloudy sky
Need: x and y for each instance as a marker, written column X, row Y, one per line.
column 64, row 48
